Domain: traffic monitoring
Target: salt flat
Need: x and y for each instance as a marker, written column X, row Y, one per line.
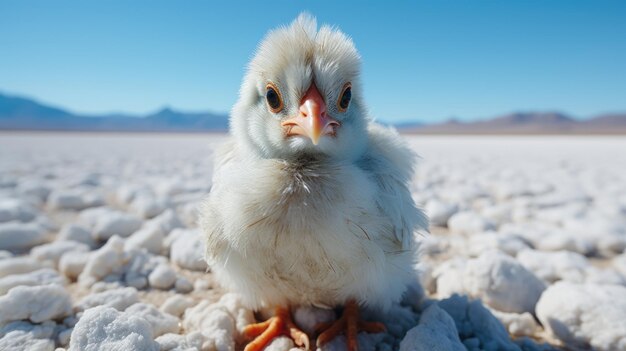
column 526, row 251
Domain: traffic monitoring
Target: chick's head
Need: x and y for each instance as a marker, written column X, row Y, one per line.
column 302, row 95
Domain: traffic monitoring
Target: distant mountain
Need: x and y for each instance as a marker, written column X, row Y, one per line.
column 17, row 113
column 529, row 123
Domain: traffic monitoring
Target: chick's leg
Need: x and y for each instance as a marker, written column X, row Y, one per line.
column 350, row 325
column 281, row 324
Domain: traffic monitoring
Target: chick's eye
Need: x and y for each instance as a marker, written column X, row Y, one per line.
column 344, row 98
column 274, row 100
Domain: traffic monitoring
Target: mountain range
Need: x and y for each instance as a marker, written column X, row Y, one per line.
column 19, row 113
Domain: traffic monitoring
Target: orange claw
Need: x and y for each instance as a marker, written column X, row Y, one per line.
column 281, row 324
column 350, row 325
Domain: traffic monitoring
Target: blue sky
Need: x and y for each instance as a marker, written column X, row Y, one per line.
column 422, row 60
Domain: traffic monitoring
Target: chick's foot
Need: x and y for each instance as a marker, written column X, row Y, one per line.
column 350, row 325
column 279, row 325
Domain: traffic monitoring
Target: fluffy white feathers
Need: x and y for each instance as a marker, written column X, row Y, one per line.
column 291, row 223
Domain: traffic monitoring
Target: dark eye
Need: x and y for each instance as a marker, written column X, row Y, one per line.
column 274, row 100
column 344, row 98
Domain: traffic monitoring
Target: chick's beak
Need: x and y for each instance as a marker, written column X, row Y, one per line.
column 312, row 120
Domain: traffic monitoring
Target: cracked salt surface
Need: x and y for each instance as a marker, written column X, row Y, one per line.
column 99, row 249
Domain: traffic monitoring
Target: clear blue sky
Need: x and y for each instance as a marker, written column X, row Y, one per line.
column 426, row 60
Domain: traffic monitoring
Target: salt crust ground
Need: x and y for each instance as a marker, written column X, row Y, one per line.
column 99, row 249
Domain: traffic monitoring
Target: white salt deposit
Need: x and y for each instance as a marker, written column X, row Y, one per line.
column 42, row 276
column 18, row 236
column 120, row 299
column 436, row 331
column 149, row 237
column 162, row 277
column 104, row 328
column 585, row 315
column 177, row 304
column 187, row 250
column 16, row 210
column 26, row 336
column 18, row 265
column 469, row 223
column 35, row 303
column 108, row 260
column 161, row 323
column 51, row 253
column 554, row 207
column 115, row 223
column 74, row 232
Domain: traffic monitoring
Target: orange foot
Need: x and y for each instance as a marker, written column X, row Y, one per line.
column 280, row 324
column 349, row 324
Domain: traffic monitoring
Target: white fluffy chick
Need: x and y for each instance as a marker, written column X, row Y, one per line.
column 310, row 202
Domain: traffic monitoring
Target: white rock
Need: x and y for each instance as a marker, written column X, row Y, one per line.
column 177, row 304
column 477, row 326
column 104, row 328
column 167, row 221
column 201, row 285
column 188, row 342
column 25, row 336
column 489, row 241
column 128, row 192
column 187, row 250
column 619, row 262
column 74, row 199
column 215, row 322
column 497, row 214
column 561, row 240
column 52, row 252
column 448, row 277
column 183, row 285
column 36, row 303
column 502, row 283
column 149, row 237
column 162, row 277
column 439, row 212
column 77, row 233
column 242, row 315
column 42, row 276
column 554, row 266
column 35, row 189
column 109, row 259
column 608, row 234
column 604, row 276
column 90, row 216
column 120, row 299
column 18, row 265
column 468, row 222
column 161, row 323
column 585, row 315
column 219, row 322
column 435, row 331
column 281, row 343
column 16, row 210
column 17, row 236
column 518, row 324
column 116, row 223
column 557, row 215
column 72, row 264
column 148, row 206
column 141, row 264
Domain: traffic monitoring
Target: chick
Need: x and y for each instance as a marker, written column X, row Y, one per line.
column 310, row 202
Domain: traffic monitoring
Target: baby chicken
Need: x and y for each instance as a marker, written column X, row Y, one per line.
column 310, row 202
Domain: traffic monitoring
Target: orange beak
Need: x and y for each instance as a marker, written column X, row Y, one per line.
column 312, row 120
